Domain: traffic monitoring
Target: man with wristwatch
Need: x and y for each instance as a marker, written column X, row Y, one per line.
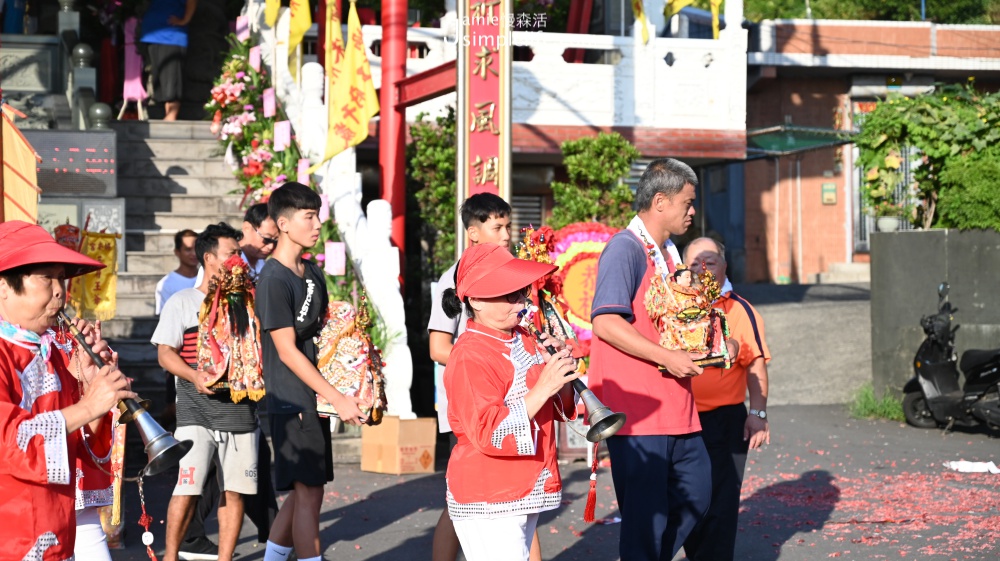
column 728, row 431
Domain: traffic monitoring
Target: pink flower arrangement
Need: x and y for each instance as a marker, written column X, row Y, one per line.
column 227, row 92
column 233, row 127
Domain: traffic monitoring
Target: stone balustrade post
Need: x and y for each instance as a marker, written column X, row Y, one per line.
column 100, row 116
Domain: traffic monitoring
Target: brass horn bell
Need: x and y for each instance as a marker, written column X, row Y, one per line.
column 603, row 421
column 163, row 451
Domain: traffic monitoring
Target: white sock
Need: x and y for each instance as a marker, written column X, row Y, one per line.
column 317, row 558
column 275, row 552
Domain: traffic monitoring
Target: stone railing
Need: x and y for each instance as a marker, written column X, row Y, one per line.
column 80, row 74
column 667, row 83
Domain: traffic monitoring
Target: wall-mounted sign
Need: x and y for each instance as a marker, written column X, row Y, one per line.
column 75, row 162
column 828, row 191
column 483, row 122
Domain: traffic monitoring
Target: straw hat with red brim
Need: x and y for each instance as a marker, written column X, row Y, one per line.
column 489, row 271
column 27, row 244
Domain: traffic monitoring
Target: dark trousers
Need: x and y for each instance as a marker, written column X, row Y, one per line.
column 714, row 539
column 260, row 508
column 663, row 490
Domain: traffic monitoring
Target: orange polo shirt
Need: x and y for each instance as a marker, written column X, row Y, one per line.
column 717, row 387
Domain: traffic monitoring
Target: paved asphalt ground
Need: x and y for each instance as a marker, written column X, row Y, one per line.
column 826, row 486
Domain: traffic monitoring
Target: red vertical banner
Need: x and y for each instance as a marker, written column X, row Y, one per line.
column 484, row 119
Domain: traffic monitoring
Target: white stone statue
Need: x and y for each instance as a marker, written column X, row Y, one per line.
column 377, row 261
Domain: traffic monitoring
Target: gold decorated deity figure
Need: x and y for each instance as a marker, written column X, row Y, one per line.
column 681, row 309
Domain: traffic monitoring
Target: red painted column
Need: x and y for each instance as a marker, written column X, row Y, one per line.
column 392, row 122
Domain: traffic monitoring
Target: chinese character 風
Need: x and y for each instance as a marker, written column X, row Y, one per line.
column 482, row 118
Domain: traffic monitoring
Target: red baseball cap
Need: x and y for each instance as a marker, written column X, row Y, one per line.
column 27, row 244
column 489, row 270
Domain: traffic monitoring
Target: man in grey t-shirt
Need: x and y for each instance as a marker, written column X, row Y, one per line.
column 222, row 432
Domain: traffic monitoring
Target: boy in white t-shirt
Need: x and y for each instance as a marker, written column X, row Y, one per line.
column 185, row 275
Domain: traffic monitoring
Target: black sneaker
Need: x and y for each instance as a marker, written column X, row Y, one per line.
column 199, row 549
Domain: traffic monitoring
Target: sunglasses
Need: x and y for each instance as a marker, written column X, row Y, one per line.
column 518, row 295
column 267, row 240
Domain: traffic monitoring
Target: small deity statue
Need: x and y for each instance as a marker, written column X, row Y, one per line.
column 682, row 311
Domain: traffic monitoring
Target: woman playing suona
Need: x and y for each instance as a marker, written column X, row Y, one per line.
column 53, row 400
column 504, row 392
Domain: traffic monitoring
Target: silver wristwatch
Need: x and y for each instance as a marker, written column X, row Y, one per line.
column 762, row 414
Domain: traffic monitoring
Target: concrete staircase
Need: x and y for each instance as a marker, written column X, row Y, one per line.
column 172, row 176
column 845, row 273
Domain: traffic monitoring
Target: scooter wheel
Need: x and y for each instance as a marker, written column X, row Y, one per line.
column 916, row 412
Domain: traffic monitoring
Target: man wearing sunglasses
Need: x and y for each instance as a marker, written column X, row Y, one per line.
column 260, row 236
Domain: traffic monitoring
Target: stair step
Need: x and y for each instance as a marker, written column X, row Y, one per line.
column 181, row 185
column 182, row 204
column 150, row 262
column 843, row 273
column 136, row 305
column 129, row 327
column 169, row 149
column 141, row 130
column 179, row 221
column 130, row 282
column 134, row 351
column 205, row 167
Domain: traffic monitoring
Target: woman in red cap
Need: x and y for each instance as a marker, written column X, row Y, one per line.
column 46, row 411
column 504, row 392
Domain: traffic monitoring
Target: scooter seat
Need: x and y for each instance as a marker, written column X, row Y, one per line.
column 973, row 358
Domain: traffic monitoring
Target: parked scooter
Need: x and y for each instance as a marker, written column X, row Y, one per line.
column 933, row 396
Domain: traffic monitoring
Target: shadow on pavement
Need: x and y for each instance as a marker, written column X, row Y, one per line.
column 386, row 511
column 765, row 294
column 773, row 514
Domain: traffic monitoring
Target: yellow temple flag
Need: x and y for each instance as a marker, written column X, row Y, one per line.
column 640, row 16
column 300, row 22
column 673, row 6
column 271, row 8
column 351, row 100
column 93, row 294
column 715, row 18
column 20, row 182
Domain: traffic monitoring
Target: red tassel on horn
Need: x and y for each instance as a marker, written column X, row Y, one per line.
column 588, row 511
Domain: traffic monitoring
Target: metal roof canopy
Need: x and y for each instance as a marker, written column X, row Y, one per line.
column 789, row 140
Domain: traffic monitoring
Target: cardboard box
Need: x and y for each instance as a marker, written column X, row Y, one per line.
column 399, row 446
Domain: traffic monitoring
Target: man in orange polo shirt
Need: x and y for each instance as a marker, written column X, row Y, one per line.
column 719, row 395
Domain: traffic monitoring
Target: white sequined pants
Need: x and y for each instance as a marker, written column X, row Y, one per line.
column 91, row 543
column 497, row 539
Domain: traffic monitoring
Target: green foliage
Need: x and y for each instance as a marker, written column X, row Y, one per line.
column 595, row 191
column 970, row 192
column 431, row 158
column 940, row 11
column 952, row 124
column 866, row 406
